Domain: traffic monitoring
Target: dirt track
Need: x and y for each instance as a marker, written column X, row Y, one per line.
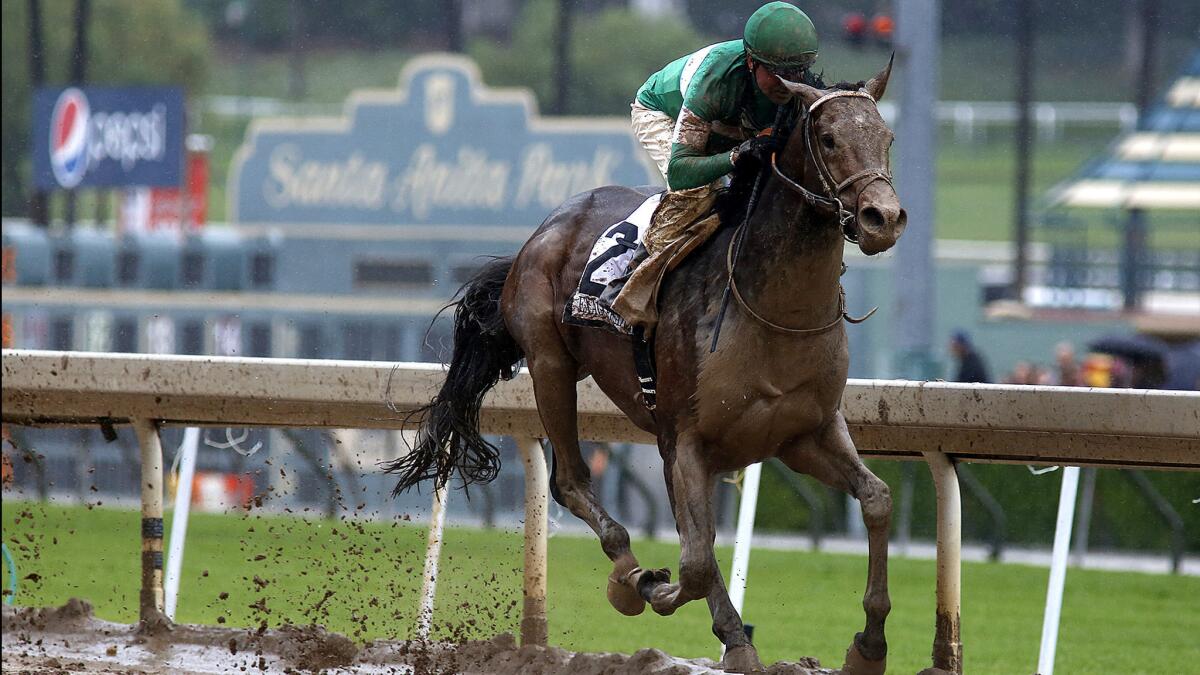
column 69, row 639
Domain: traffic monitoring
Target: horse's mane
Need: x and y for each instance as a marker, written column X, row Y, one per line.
column 732, row 200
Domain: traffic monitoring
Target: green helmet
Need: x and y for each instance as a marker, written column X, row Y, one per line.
column 781, row 37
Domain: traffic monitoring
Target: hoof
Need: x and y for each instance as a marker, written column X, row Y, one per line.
column 623, row 592
column 742, row 659
column 656, row 588
column 857, row 664
column 647, row 580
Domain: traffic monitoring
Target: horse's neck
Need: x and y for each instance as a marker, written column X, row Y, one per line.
column 790, row 260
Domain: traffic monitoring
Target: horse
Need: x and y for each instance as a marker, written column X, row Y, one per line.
column 770, row 388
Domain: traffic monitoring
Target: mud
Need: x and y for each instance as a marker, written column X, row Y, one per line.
column 69, row 639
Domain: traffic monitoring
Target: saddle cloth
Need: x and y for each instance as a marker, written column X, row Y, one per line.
column 607, row 270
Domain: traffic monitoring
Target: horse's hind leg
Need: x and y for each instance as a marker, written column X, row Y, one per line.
column 832, row 459
column 553, row 371
column 690, row 486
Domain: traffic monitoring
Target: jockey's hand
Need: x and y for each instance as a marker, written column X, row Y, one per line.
column 759, row 148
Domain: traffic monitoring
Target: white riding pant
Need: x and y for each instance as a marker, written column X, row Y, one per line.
column 653, row 130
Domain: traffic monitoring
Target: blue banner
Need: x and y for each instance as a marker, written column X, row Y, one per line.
column 441, row 150
column 107, row 137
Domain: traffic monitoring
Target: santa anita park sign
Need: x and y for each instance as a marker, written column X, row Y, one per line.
column 441, row 150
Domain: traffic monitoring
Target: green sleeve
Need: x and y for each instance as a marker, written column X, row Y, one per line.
column 689, row 168
column 711, row 95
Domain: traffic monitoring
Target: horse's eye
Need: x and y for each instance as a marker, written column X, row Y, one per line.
column 827, row 141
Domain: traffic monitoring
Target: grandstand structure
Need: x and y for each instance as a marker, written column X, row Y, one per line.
column 1125, row 228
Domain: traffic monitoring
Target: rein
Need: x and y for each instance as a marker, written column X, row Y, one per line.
column 737, row 296
column 830, row 201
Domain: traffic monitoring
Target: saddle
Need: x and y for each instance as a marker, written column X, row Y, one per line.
column 619, row 287
column 683, row 221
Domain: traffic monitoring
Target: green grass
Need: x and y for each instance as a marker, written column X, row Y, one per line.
column 975, row 192
column 801, row 603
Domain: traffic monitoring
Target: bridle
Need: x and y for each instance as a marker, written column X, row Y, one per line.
column 830, row 201
column 833, row 188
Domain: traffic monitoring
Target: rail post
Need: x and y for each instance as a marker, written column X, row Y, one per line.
column 947, row 641
column 433, row 553
column 150, row 606
column 533, row 620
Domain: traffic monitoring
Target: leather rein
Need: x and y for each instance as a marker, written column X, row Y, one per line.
column 830, row 201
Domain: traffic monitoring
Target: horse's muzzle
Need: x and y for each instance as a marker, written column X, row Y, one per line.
column 880, row 224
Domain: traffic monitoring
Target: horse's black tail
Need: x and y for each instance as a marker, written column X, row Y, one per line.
column 484, row 352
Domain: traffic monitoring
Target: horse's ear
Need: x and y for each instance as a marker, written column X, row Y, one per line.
column 805, row 93
column 878, row 84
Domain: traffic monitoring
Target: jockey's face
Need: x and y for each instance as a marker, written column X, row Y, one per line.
column 768, row 83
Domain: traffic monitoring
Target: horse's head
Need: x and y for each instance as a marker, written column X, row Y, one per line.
column 842, row 145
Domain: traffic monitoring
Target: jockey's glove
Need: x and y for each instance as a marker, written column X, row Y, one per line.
column 758, row 148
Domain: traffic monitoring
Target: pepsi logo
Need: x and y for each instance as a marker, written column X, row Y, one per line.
column 69, row 124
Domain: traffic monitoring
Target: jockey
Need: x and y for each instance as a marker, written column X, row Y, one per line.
column 698, row 117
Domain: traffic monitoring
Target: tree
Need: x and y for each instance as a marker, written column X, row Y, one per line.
column 131, row 42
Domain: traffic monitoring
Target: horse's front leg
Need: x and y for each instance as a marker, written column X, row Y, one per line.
column 690, row 486
column 740, row 655
column 831, row 458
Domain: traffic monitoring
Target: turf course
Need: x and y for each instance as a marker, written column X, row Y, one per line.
column 280, row 569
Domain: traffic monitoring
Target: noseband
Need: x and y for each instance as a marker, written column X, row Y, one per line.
column 833, row 188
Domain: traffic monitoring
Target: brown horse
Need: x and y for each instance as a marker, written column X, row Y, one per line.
column 771, row 388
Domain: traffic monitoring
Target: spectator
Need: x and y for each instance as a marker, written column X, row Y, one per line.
column 1069, row 373
column 1022, row 373
column 971, row 365
column 1147, row 374
column 1103, row 370
column 1040, row 375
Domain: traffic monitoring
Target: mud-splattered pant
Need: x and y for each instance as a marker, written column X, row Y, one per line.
column 653, row 130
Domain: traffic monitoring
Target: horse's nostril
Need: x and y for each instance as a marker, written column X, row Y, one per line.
column 871, row 218
column 902, row 220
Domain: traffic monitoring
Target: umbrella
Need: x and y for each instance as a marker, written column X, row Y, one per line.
column 1135, row 347
column 1180, row 363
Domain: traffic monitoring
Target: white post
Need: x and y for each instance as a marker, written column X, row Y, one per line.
column 433, row 551
column 947, row 640
column 179, row 522
column 150, row 601
column 1058, row 570
column 745, row 532
column 533, row 622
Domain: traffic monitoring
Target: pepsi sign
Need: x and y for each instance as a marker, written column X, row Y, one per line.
column 107, row 137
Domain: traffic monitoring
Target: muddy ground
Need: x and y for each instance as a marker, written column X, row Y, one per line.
column 69, row 639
